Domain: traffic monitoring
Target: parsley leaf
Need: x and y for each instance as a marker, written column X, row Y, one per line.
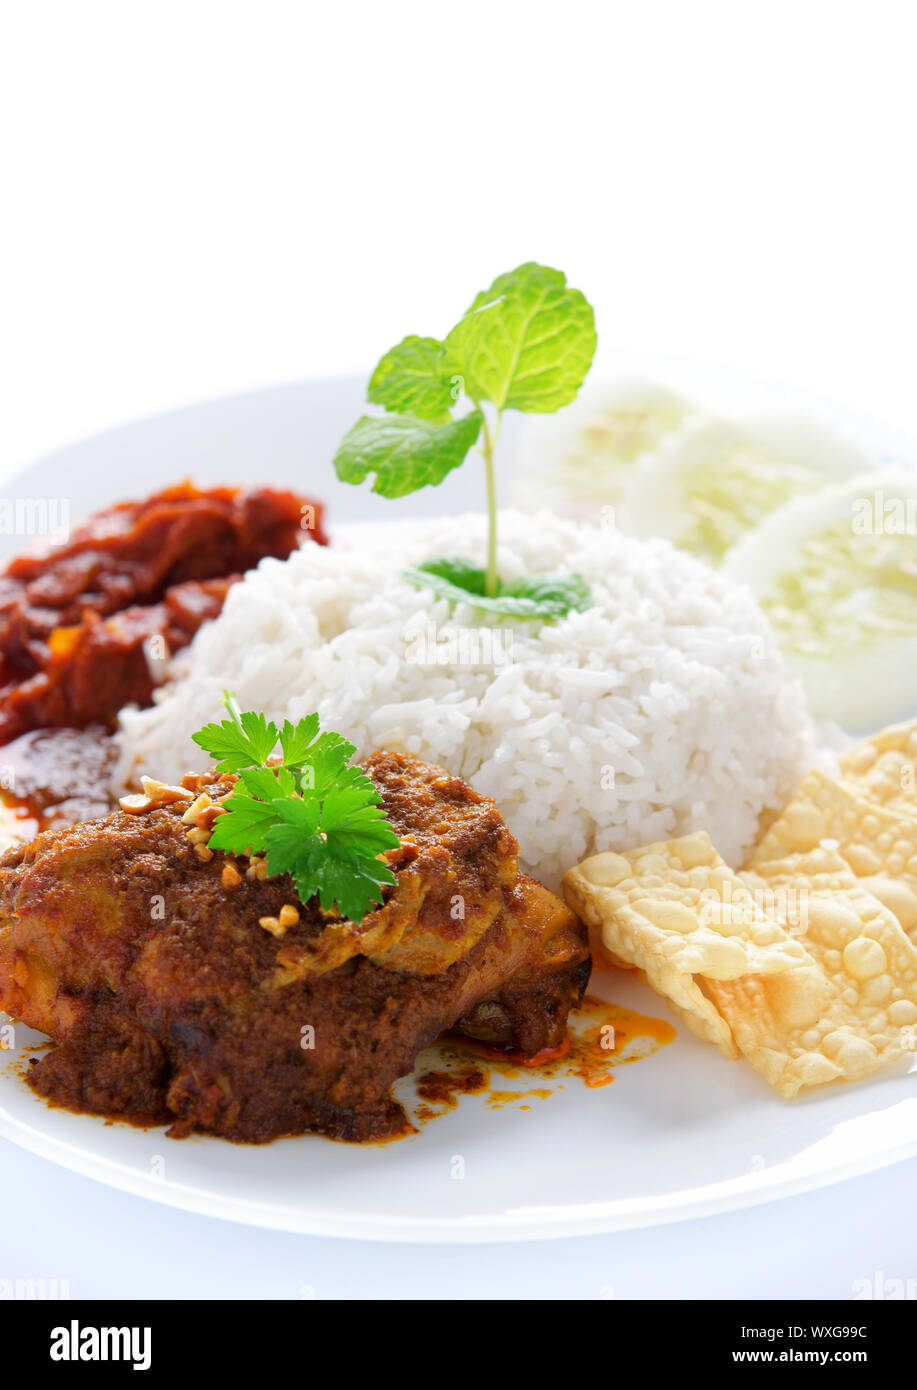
column 410, row 379
column 268, row 782
column 244, row 825
column 526, row 343
column 296, row 738
column 534, row 596
column 313, row 814
column 243, row 740
column 405, row 452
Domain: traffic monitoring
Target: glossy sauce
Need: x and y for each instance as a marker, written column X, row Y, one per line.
column 50, row 778
column 605, row 1035
column 439, row 1090
column 601, row 1037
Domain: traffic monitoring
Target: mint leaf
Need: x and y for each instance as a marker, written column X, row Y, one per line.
column 459, row 573
column 535, row 596
column 403, row 451
column 563, row 593
column 526, row 343
column 410, row 379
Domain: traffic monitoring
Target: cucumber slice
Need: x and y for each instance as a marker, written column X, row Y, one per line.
column 705, row 488
column 580, row 458
column 836, row 574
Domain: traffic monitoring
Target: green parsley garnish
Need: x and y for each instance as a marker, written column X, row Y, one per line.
column 310, row 812
column 526, row 343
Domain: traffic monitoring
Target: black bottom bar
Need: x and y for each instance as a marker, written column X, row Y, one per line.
column 265, row 1341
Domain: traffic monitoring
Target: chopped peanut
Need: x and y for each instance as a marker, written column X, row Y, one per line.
column 162, row 794
column 230, row 877
column 154, row 794
column 194, row 810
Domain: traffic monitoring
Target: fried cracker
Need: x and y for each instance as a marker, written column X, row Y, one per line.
column 884, row 768
column 678, row 913
column 852, row 1011
column 822, row 990
column 878, row 843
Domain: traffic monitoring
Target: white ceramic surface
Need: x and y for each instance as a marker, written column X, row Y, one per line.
column 681, row 1134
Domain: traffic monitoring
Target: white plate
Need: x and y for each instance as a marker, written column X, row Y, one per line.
column 683, row 1133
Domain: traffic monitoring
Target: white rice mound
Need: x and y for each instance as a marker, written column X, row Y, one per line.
column 663, row 709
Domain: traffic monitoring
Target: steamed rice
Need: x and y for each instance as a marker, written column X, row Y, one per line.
column 663, row 709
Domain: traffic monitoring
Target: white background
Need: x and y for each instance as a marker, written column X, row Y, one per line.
column 206, row 197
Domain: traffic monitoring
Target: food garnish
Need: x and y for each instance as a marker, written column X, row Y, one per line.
column 534, row 596
column 310, row 813
column 836, row 574
column 584, row 457
column 525, row 344
column 715, row 480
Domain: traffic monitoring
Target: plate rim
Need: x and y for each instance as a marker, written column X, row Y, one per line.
column 551, row 1221
column 512, row 1225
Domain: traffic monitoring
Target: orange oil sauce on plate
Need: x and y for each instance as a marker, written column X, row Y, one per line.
column 601, row 1037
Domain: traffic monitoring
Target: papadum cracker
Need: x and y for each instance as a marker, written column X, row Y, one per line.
column 878, row 843
column 806, row 961
column 884, row 768
column 850, row 1012
column 678, row 913
column 796, row 965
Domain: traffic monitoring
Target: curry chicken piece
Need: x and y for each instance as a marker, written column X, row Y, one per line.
column 147, row 964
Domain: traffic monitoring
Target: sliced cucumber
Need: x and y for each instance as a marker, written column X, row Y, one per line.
column 718, row 479
column 580, row 459
column 836, row 574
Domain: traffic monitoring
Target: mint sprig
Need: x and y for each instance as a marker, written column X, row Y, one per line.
column 312, row 814
column 525, row 343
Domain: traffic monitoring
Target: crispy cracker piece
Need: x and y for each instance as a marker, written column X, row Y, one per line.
column 795, row 965
column 878, row 843
column 884, row 768
column 678, row 913
column 851, row 1012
